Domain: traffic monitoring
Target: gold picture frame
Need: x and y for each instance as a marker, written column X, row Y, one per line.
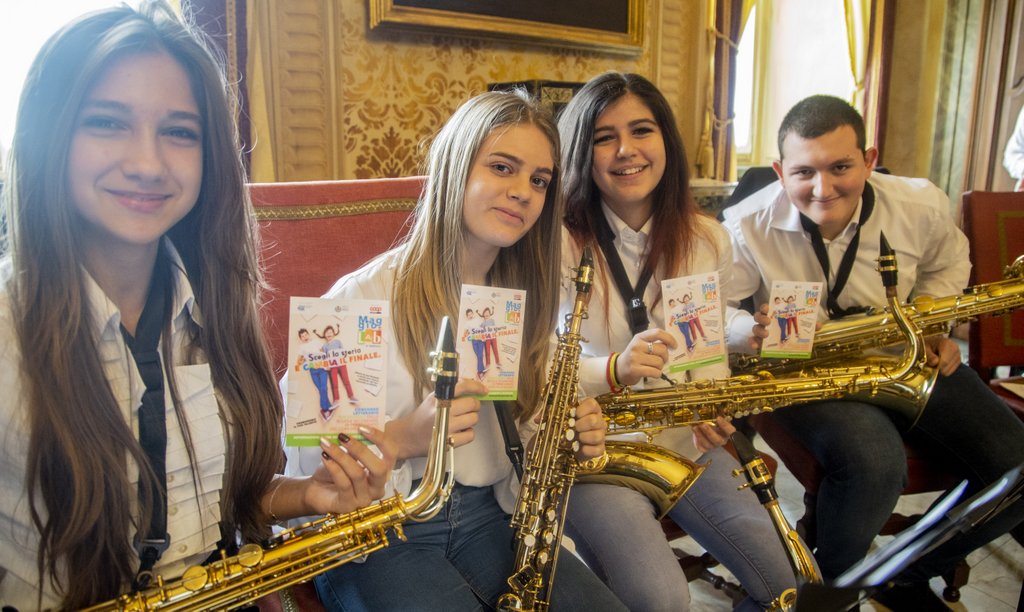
column 620, row 31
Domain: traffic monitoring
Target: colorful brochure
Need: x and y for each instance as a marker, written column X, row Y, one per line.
column 694, row 316
column 336, row 375
column 489, row 338
column 793, row 310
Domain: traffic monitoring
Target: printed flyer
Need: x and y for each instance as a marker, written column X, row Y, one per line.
column 489, row 338
column 793, row 310
column 337, row 374
column 694, row 316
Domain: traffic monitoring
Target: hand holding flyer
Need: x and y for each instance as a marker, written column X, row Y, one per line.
column 693, row 314
column 489, row 338
column 793, row 310
column 337, row 380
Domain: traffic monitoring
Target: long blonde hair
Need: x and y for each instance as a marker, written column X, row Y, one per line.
column 79, row 442
column 429, row 271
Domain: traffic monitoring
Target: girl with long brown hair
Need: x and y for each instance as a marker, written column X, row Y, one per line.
column 628, row 195
column 141, row 426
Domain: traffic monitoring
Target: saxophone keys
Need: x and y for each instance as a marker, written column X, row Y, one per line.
column 195, row 578
column 250, row 555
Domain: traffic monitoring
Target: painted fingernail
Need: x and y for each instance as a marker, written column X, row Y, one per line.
column 324, row 442
column 364, row 430
column 343, row 438
column 325, row 456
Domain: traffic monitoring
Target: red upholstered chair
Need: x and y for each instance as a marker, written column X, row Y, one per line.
column 994, row 225
column 312, row 233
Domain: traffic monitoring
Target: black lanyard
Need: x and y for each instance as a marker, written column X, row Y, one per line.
column 846, row 264
column 510, row 433
column 636, row 310
column 152, row 423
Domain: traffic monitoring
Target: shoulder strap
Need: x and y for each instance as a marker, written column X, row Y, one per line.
column 633, row 297
column 152, row 424
column 510, row 433
column 846, row 264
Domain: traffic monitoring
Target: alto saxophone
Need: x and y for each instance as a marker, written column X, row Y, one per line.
column 850, row 337
column 903, row 385
column 298, row 554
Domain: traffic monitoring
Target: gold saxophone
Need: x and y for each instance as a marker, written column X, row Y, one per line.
column 850, row 337
column 903, row 384
column 298, row 554
column 551, row 466
column 760, row 479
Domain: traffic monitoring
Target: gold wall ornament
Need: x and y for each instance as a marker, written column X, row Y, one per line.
column 610, row 26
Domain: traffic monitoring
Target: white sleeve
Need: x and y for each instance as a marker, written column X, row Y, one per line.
column 1013, row 156
column 746, row 280
column 945, row 268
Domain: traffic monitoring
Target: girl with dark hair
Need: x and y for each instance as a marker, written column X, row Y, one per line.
column 627, row 196
column 141, row 406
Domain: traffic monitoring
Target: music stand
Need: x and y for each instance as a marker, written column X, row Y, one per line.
column 937, row 526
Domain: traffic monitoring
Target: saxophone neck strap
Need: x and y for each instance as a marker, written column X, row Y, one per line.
column 152, row 540
column 633, row 297
column 835, row 311
column 510, row 433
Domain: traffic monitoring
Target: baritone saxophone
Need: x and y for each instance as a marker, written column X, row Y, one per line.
column 297, row 555
column 850, row 337
column 903, row 384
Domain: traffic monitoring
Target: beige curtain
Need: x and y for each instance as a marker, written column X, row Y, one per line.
column 263, row 166
column 858, row 17
column 716, row 153
column 866, row 24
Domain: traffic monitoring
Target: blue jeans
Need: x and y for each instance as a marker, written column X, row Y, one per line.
column 684, row 328
column 319, row 376
column 965, row 428
column 458, row 560
column 617, row 532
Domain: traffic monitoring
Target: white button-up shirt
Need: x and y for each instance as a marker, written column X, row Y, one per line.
column 191, row 523
column 770, row 245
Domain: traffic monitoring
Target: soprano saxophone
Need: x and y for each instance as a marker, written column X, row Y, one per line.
column 902, row 385
column 298, row 554
column 551, row 466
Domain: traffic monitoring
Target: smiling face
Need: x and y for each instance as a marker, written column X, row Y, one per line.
column 824, row 177
column 136, row 160
column 629, row 157
column 505, row 191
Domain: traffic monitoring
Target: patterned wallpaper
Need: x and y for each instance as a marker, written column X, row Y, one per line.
column 399, row 87
column 389, row 91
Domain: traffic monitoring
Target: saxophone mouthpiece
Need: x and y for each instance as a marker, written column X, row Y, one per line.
column 887, row 264
column 444, row 366
column 585, row 272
